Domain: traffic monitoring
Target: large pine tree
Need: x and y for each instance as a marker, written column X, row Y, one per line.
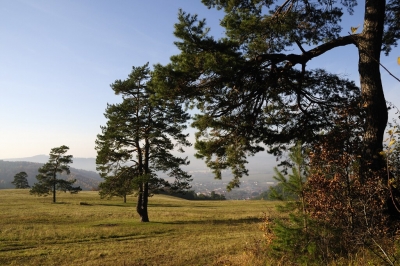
column 253, row 86
column 140, row 134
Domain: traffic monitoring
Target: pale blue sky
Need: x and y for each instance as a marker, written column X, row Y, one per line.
column 58, row 58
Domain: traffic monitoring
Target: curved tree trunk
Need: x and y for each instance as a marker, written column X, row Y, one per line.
column 374, row 104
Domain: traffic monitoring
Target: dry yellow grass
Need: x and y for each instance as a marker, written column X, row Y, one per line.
column 82, row 229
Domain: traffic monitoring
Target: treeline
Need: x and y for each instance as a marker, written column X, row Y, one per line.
column 87, row 180
column 192, row 195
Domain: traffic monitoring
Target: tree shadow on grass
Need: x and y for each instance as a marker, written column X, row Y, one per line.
column 116, row 205
column 176, row 205
column 150, row 205
column 106, row 225
column 165, row 205
column 247, row 220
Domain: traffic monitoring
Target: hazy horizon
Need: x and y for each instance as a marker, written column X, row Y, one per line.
column 258, row 165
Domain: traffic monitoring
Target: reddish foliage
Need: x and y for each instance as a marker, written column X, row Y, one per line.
column 336, row 195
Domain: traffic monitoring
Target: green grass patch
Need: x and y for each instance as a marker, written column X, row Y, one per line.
column 83, row 229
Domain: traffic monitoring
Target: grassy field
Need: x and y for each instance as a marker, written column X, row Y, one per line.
column 34, row 231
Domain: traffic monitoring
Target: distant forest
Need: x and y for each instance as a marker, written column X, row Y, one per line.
column 87, row 180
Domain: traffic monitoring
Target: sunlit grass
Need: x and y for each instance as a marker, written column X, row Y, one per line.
column 82, row 229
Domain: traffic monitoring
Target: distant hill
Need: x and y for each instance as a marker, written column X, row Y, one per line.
column 260, row 167
column 87, row 180
column 88, row 164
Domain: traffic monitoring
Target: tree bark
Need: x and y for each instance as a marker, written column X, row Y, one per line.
column 145, row 199
column 139, row 202
column 54, row 190
column 145, row 215
column 141, row 206
column 373, row 99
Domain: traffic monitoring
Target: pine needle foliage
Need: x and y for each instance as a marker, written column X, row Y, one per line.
column 118, row 185
column 254, row 91
column 290, row 236
column 47, row 178
column 20, row 180
column 136, row 144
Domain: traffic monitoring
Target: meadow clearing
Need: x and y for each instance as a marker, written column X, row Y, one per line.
column 83, row 229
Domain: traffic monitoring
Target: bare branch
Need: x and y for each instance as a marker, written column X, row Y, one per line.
column 301, row 47
column 295, row 59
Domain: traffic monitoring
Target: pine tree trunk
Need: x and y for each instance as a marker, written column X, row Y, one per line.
column 374, row 104
column 139, row 201
column 145, row 216
column 145, row 199
column 369, row 46
column 54, row 191
column 141, row 206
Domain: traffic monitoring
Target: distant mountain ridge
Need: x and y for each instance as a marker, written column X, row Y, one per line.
column 88, row 164
column 260, row 167
column 87, row 180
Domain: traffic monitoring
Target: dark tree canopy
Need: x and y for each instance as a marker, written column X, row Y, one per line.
column 118, row 185
column 20, row 180
column 137, row 142
column 252, row 91
column 47, row 178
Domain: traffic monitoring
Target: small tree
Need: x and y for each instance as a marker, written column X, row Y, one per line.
column 292, row 236
column 47, row 177
column 20, row 180
column 119, row 185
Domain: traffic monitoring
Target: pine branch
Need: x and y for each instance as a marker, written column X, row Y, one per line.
column 306, row 56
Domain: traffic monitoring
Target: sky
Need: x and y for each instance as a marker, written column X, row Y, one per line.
column 58, row 59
